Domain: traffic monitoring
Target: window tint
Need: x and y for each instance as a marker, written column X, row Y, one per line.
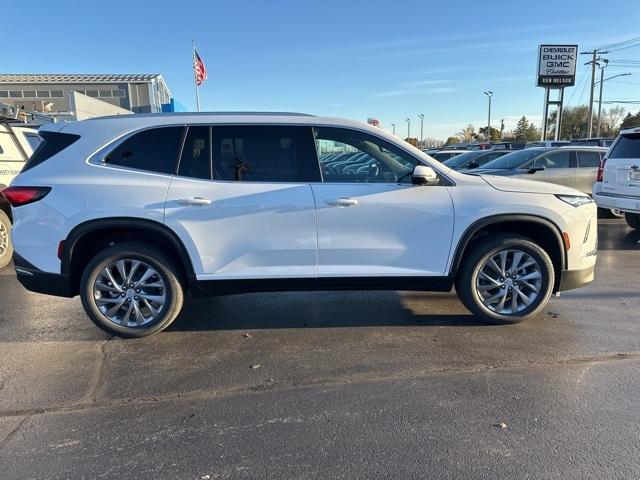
column 33, row 140
column 264, row 154
column 195, row 160
column 154, row 150
column 560, row 159
column 352, row 157
column 588, row 159
column 51, row 144
column 627, row 147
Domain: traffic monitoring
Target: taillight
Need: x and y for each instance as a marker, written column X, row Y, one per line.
column 601, row 170
column 18, row 196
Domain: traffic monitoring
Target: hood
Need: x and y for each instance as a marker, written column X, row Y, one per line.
column 491, row 171
column 507, row 184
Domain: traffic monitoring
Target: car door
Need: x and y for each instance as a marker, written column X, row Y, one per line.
column 372, row 221
column 587, row 171
column 559, row 167
column 242, row 204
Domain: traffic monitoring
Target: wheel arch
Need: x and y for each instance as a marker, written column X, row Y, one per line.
column 87, row 238
column 539, row 229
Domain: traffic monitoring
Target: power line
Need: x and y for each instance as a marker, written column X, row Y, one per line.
column 583, row 78
column 624, row 48
column 619, row 44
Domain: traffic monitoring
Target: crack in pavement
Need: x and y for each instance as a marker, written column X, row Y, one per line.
column 15, row 429
column 97, row 379
column 92, row 403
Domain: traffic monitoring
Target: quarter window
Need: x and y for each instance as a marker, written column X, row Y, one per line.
column 264, row 154
column 351, row 156
column 195, row 160
column 154, row 150
column 588, row 159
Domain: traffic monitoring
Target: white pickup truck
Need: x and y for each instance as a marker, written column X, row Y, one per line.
column 17, row 143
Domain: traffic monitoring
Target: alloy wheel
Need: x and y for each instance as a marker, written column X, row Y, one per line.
column 130, row 293
column 4, row 240
column 508, row 281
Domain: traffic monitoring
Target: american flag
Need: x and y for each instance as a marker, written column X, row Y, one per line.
column 200, row 69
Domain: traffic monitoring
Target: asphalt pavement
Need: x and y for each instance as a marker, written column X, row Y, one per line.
column 329, row 385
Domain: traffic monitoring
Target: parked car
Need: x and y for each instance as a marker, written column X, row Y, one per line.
column 474, row 159
column 444, row 155
column 132, row 212
column 592, row 142
column 574, row 167
column 17, row 143
column 618, row 180
column 507, row 145
column 547, row 143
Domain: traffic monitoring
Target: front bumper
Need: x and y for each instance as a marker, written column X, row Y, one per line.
column 38, row 281
column 570, row 279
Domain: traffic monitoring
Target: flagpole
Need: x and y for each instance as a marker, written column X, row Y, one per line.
column 195, row 76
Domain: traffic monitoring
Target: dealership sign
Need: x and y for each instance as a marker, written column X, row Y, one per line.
column 557, row 66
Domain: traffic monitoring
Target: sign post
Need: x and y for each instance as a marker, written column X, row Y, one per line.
column 556, row 70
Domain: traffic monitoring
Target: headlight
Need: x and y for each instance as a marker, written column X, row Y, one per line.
column 575, row 200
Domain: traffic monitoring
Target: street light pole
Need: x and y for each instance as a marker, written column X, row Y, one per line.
column 606, row 62
column 602, row 80
column 421, row 116
column 393, row 128
column 489, row 94
column 408, row 120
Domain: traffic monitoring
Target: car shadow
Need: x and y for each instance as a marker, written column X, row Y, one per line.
column 321, row 310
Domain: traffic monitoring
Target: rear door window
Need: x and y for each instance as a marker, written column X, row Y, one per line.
column 264, row 153
column 195, row 161
column 628, row 146
column 153, row 150
column 588, row 159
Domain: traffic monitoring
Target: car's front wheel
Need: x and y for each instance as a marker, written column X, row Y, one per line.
column 633, row 219
column 132, row 290
column 6, row 249
column 505, row 279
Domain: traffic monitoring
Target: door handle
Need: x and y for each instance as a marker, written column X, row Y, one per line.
column 194, row 201
column 342, row 202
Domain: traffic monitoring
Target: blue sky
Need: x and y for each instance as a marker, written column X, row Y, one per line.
column 356, row 59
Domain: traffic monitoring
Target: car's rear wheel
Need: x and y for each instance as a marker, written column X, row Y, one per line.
column 505, row 279
column 132, row 290
column 6, row 249
column 633, row 219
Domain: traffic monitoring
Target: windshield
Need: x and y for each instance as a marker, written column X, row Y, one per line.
column 515, row 159
column 463, row 158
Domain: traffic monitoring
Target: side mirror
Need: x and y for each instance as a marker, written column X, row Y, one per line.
column 473, row 165
column 423, row 175
column 535, row 169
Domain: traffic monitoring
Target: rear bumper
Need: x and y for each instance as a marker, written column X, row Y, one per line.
column 38, row 281
column 570, row 279
column 619, row 202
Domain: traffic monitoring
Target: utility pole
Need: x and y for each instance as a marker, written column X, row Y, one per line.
column 489, row 94
column 501, row 128
column 393, row 128
column 408, row 120
column 594, row 61
column 421, row 116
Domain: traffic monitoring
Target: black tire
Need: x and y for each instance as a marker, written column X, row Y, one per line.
column 158, row 260
column 481, row 251
column 633, row 219
column 6, row 248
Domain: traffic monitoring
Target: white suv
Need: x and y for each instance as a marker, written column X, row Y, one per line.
column 134, row 211
column 618, row 183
